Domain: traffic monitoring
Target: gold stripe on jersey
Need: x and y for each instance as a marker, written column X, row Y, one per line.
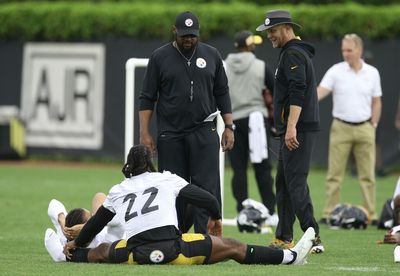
column 121, row 244
column 130, row 259
column 120, row 248
column 182, row 260
column 194, row 260
column 188, row 237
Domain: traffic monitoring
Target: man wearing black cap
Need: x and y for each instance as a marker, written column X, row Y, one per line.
column 296, row 116
column 247, row 78
column 187, row 80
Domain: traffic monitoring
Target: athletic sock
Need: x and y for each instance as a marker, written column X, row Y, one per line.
column 289, row 256
column 80, row 255
column 262, row 255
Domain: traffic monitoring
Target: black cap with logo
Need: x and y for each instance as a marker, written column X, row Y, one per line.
column 187, row 23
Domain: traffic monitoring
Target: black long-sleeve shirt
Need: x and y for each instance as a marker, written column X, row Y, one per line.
column 169, row 80
column 295, row 84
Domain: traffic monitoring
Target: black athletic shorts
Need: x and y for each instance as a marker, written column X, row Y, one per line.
column 190, row 249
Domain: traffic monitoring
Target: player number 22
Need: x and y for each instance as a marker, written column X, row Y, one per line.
column 146, row 207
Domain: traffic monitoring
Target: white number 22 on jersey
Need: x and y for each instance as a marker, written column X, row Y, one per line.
column 146, row 207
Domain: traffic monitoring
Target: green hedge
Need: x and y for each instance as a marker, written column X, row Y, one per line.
column 63, row 21
column 258, row 2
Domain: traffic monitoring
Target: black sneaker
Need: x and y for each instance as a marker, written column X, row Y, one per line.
column 317, row 248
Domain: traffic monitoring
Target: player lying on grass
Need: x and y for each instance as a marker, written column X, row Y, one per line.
column 68, row 225
column 146, row 200
column 393, row 235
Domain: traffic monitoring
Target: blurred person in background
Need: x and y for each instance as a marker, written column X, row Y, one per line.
column 356, row 89
column 248, row 76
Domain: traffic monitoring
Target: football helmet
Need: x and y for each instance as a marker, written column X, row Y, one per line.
column 252, row 216
column 335, row 216
column 348, row 216
column 354, row 217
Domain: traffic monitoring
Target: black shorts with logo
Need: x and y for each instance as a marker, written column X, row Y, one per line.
column 189, row 249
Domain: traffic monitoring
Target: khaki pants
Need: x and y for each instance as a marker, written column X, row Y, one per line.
column 359, row 139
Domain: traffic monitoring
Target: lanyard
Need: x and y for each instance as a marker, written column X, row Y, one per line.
column 189, row 68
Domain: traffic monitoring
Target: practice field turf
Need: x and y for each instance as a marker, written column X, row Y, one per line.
column 26, row 189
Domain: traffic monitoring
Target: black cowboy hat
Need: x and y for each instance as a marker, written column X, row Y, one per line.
column 277, row 17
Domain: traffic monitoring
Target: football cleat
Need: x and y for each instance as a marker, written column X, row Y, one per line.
column 280, row 244
column 317, row 247
column 304, row 246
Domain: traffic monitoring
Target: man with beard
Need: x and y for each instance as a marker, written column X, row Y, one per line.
column 187, row 80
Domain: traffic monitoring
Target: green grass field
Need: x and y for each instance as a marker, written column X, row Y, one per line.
column 26, row 189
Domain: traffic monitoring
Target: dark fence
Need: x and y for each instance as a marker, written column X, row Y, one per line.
column 386, row 58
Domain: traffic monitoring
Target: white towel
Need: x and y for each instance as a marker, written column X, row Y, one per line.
column 257, row 137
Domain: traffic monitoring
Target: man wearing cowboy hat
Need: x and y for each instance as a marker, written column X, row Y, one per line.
column 296, row 116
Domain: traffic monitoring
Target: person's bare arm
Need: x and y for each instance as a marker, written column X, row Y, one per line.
column 214, row 227
column 145, row 136
column 392, row 238
column 376, row 111
column 228, row 137
column 322, row 92
column 397, row 120
column 97, row 201
column 61, row 221
column 291, row 132
column 73, row 231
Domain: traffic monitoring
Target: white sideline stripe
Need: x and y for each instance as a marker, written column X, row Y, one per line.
column 358, row 268
column 230, row 222
column 130, row 66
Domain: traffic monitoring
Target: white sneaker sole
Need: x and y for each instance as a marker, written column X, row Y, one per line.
column 303, row 246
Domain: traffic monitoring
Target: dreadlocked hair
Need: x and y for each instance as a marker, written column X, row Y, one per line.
column 138, row 161
column 75, row 216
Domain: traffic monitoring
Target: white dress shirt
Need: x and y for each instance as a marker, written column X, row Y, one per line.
column 352, row 91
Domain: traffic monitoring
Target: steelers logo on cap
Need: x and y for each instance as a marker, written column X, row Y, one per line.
column 189, row 22
column 267, row 21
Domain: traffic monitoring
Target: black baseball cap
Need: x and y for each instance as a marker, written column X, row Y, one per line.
column 246, row 38
column 187, row 23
